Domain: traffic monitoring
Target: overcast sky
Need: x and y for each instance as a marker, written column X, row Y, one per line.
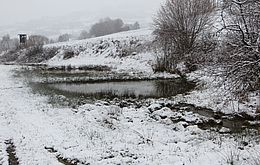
column 13, row 11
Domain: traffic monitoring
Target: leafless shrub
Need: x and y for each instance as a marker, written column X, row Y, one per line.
column 108, row 122
column 241, row 51
column 48, row 53
column 178, row 26
column 34, row 51
column 159, row 65
column 114, row 111
column 232, row 154
column 69, row 54
column 146, row 137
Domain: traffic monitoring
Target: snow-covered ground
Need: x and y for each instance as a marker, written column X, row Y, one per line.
column 102, row 133
column 107, row 134
column 214, row 94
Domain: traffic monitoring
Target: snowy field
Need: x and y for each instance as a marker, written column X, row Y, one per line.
column 35, row 132
column 107, row 134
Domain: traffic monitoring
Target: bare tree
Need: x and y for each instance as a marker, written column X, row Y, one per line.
column 135, row 26
column 241, row 53
column 8, row 43
column 5, row 43
column 64, row 38
column 179, row 24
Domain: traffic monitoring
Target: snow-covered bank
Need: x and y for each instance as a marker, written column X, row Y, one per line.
column 123, row 52
column 107, row 134
column 213, row 93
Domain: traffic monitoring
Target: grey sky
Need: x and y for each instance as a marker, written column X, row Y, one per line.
column 12, row 11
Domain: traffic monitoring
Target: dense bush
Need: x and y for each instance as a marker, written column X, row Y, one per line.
column 109, row 26
column 69, row 54
column 37, row 40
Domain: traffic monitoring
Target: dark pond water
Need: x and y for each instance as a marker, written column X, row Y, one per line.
column 75, row 85
column 121, row 89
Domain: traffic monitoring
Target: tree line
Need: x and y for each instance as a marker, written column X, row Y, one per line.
column 108, row 26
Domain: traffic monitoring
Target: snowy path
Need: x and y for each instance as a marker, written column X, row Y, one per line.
column 22, row 121
column 97, row 134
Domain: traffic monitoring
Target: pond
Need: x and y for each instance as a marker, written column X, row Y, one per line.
column 120, row 89
column 86, row 86
column 78, row 88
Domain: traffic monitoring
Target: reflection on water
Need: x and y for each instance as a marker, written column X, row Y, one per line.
column 126, row 89
column 99, row 84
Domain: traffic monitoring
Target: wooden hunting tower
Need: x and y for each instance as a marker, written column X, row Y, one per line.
column 23, row 38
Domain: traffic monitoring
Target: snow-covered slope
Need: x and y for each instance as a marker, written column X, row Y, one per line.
column 125, row 51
